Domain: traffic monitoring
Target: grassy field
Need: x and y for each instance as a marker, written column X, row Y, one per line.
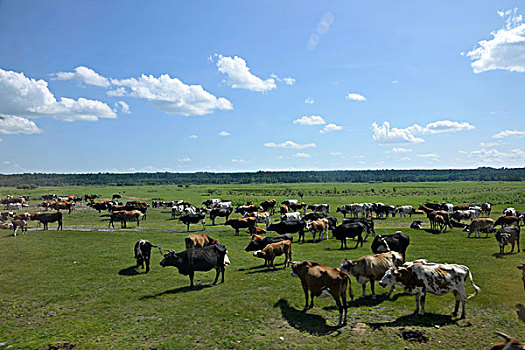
column 78, row 286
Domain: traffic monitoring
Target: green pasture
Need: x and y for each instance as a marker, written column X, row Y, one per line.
column 78, row 286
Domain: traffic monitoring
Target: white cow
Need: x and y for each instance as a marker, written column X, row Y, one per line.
column 295, row 216
column 509, row 212
column 438, row 279
column 260, row 216
column 223, row 205
column 404, row 210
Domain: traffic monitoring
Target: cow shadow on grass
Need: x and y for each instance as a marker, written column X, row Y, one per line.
column 368, row 301
column 426, row 320
column 434, row 232
column 129, row 271
column 178, row 290
column 264, row 269
column 303, row 321
column 501, row 255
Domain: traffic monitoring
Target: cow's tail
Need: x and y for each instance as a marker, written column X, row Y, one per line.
column 476, row 288
column 347, row 278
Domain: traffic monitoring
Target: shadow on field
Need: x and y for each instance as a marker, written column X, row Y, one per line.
column 368, row 301
column 177, row 291
column 305, row 322
column 129, row 271
column 501, row 255
column 434, row 232
column 264, row 269
column 426, row 320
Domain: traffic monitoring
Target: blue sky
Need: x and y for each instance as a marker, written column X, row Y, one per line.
column 242, row 86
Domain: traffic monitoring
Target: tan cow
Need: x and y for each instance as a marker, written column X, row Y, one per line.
column 273, row 250
column 478, row 225
column 199, row 241
column 321, row 281
column 318, row 226
column 123, row 216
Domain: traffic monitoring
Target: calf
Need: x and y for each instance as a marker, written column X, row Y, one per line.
column 199, row 241
column 371, row 268
column 350, row 230
column 272, row 250
column 198, row 259
column 193, row 219
column 322, row 282
column 508, row 235
column 416, row 224
column 18, row 222
column 259, row 242
column 405, row 210
column 142, row 252
column 319, row 226
column 438, row 279
column 289, row 227
column 508, row 344
column 397, row 242
column 261, row 217
column 507, row 221
column 236, row 224
column 478, row 225
column 367, row 222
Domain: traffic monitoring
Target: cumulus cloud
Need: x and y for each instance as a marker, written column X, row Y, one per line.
column 495, row 156
column 170, row 95
column 302, row 155
column 309, row 101
column 124, row 107
column 507, row 133
column 330, row 127
column 224, row 133
column 506, row 49
column 355, row 97
column 240, row 77
column 84, row 75
column 11, row 125
column 289, row 81
column 289, row 144
column 385, row 135
column 488, row 144
column 311, row 120
column 27, row 97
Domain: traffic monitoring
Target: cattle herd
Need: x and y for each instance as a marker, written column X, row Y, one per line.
column 387, row 265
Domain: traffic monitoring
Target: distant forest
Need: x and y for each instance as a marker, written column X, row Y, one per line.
column 136, row 179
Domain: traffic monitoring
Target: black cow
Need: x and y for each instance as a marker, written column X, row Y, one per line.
column 261, row 243
column 344, row 209
column 289, row 227
column 350, row 230
column 46, row 218
column 193, row 219
column 142, row 252
column 198, row 259
column 368, row 223
column 314, row 216
column 220, row 212
column 397, row 242
column 332, row 222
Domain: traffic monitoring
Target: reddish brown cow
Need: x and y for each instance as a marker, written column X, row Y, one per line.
column 249, row 223
column 199, row 241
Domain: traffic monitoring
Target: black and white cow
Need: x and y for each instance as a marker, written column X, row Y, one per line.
column 142, row 251
column 397, row 242
column 193, row 219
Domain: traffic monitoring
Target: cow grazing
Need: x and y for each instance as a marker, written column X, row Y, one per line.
column 269, row 206
column 323, row 208
column 198, row 259
column 507, row 221
column 459, row 215
column 344, row 209
column 100, row 205
column 350, row 230
column 193, row 219
column 236, row 224
column 290, row 201
column 243, row 209
column 123, row 216
column 367, row 222
column 509, row 212
column 289, row 227
column 46, row 218
column 318, row 227
column 259, row 242
column 416, row 224
column 438, row 279
column 63, row 205
column 220, row 212
column 314, row 216
column 479, row 225
column 372, row 268
column 199, row 241
column 509, row 343
column 321, row 281
column 397, row 242
column 142, row 253
column 405, row 210
column 298, row 206
column 273, row 250
column 116, row 196
column 508, row 235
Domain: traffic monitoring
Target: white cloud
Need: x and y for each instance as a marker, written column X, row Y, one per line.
column 170, row 95
column 385, row 135
column 240, row 76
column 124, row 107
column 330, row 127
column 506, row 50
column 431, row 156
column 404, row 159
column 355, row 97
column 302, row 155
column 186, row 159
column 27, row 97
column 401, row 150
column 194, row 136
column 495, row 156
column 239, row 160
column 289, row 144
column 11, row 125
column 507, row 133
column 84, row 75
column 311, row 120
column 289, row 81
column 309, row 101
column 224, row 133
column 488, row 144
column 336, row 153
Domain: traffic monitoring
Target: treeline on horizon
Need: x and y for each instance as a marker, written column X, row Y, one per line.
column 259, row 177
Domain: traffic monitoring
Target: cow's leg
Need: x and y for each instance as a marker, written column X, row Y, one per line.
column 147, row 265
column 191, row 274
column 217, row 272
column 372, row 287
column 188, row 227
column 359, row 239
column 340, row 307
column 364, row 290
column 138, row 221
column 203, row 225
column 416, row 311
column 391, row 290
column 222, row 273
column 422, row 301
column 237, row 231
column 456, row 306
column 463, row 298
column 305, row 289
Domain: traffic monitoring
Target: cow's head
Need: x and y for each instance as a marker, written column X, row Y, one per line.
column 253, row 245
column 389, row 278
column 259, row 254
column 171, row 259
column 347, row 265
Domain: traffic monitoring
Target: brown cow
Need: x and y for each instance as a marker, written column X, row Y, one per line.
column 273, row 250
column 63, row 205
column 319, row 226
column 322, row 281
column 123, row 216
column 284, row 209
column 90, row 197
column 478, row 225
column 250, row 223
column 507, row 221
column 508, row 344
column 199, row 241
